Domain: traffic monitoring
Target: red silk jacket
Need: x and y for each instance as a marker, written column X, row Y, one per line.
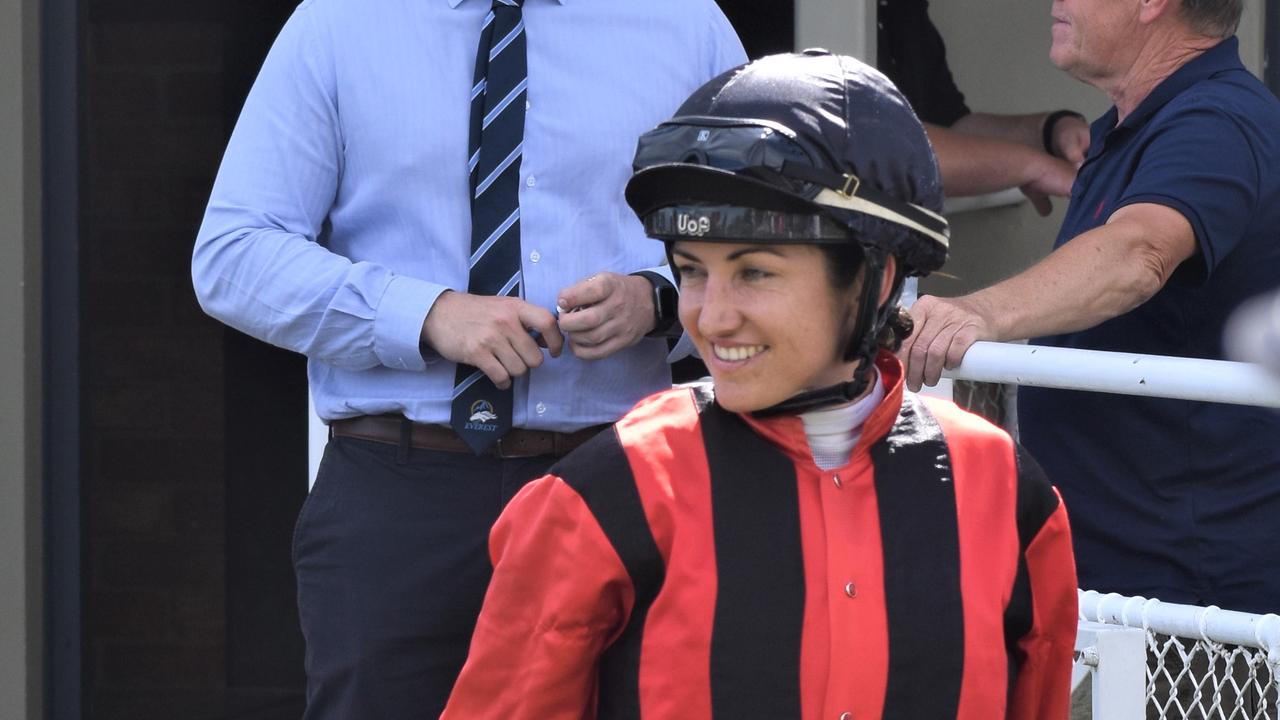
column 696, row 563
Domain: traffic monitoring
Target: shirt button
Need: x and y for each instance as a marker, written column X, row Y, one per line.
column 846, row 716
column 540, row 408
column 527, row 105
column 836, row 479
column 850, row 589
column 535, row 256
column 531, row 181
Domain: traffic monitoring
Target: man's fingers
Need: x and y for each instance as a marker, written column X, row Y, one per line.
column 544, row 323
column 512, row 361
column 1039, row 200
column 918, row 355
column 960, row 344
column 585, row 292
column 936, row 357
column 527, row 350
column 494, row 370
column 584, row 320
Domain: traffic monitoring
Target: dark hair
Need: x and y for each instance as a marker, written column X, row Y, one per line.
column 1216, row 18
column 843, row 263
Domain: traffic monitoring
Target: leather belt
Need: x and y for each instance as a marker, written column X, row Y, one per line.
column 518, row 443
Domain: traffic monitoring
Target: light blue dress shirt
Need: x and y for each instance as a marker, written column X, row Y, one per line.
column 340, row 212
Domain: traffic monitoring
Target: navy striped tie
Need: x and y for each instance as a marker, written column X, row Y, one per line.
column 481, row 413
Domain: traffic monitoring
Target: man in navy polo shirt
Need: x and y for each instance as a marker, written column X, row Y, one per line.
column 1174, row 221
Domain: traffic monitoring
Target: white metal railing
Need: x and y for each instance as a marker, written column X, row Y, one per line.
column 1199, row 662
column 1125, row 373
column 1143, row 657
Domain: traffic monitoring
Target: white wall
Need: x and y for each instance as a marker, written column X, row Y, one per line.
column 20, row 507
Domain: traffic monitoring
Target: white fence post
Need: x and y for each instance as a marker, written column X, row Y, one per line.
column 1115, row 659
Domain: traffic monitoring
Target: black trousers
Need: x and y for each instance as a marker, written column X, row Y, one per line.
column 391, row 556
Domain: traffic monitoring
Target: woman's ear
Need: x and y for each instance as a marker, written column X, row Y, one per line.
column 886, row 280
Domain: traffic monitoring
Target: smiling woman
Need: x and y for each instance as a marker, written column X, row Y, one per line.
column 765, row 545
column 765, row 327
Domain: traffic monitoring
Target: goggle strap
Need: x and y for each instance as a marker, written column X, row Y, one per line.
column 845, row 191
column 856, row 203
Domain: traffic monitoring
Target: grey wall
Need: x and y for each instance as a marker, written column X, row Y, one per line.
column 20, row 528
column 843, row 26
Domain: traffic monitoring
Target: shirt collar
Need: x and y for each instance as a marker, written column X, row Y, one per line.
column 456, row 3
column 1223, row 56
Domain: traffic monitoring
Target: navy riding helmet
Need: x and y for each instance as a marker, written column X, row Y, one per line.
column 800, row 148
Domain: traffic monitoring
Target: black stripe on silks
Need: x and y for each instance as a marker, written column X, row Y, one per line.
column 921, row 545
column 600, row 474
column 759, row 613
column 1036, row 499
column 703, row 394
column 1035, row 505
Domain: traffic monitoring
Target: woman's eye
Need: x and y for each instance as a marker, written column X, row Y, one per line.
column 687, row 271
column 755, row 274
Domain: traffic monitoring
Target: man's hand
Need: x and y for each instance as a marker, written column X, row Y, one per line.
column 944, row 330
column 1053, row 177
column 491, row 334
column 606, row 313
column 1071, row 139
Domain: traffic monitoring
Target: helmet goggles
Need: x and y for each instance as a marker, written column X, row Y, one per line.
column 737, row 179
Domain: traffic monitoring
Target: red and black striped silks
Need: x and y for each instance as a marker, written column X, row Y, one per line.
column 695, row 563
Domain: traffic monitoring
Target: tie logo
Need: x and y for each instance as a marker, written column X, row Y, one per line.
column 704, row 135
column 693, row 225
column 482, row 415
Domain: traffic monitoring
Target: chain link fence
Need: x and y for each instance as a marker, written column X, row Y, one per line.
column 1203, row 679
column 1201, row 663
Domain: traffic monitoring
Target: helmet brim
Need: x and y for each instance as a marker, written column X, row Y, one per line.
column 669, row 184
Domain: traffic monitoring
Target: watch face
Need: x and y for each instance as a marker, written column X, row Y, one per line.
column 667, row 301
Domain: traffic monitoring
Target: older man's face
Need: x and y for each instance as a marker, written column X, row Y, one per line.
column 1091, row 37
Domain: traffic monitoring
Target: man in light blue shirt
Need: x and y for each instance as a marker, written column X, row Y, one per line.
column 339, row 227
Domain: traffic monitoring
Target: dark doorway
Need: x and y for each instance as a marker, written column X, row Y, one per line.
column 195, row 461
column 766, row 28
column 266, row 456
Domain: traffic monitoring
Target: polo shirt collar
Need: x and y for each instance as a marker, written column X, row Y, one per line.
column 456, row 3
column 1223, row 56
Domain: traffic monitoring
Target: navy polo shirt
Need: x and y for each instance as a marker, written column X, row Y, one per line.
column 1168, row 498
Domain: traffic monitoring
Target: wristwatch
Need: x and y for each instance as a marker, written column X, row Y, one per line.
column 1050, row 121
column 666, row 303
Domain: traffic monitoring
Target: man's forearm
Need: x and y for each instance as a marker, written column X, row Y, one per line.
column 975, row 165
column 1023, row 129
column 1099, row 275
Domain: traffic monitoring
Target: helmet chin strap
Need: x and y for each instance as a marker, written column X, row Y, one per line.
column 866, row 332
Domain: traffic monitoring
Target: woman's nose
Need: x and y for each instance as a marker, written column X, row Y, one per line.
column 719, row 314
